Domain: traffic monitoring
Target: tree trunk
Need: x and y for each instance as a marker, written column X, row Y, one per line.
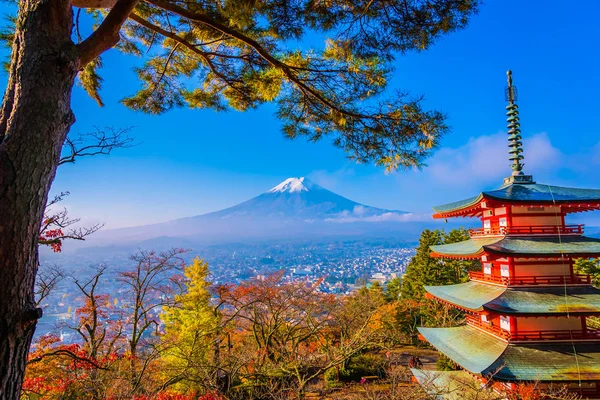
column 34, row 121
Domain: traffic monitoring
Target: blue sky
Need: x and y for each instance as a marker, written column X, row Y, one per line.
column 189, row 162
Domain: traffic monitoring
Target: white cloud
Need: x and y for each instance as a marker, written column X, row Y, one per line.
column 455, row 173
column 386, row 217
column 485, row 159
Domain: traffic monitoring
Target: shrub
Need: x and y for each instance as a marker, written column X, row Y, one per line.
column 358, row 366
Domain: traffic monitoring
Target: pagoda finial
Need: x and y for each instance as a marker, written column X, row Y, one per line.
column 514, row 128
column 514, row 136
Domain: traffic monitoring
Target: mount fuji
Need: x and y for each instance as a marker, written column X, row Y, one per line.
column 294, row 208
column 300, row 198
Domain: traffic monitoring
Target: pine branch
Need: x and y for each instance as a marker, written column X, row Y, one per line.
column 264, row 53
column 107, row 34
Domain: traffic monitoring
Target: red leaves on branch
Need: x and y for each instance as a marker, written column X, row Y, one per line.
column 52, row 238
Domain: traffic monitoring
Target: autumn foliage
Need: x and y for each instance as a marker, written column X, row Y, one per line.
column 179, row 337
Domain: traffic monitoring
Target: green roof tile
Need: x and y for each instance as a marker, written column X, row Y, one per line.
column 457, row 205
column 535, row 192
column 567, row 245
column 547, row 300
column 561, row 362
column 470, row 295
column 546, row 245
column 554, row 300
column 465, row 248
column 470, row 348
column 484, row 354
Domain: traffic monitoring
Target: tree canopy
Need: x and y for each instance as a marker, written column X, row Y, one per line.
column 240, row 54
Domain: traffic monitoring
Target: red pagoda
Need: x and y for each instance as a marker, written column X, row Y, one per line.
column 526, row 311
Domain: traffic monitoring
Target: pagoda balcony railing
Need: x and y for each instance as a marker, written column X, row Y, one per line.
column 575, row 279
column 486, row 326
column 528, row 230
column 590, row 334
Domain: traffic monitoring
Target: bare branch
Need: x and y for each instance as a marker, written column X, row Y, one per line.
column 46, row 281
column 102, row 141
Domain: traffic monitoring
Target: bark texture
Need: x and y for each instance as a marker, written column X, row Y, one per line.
column 94, row 3
column 34, row 120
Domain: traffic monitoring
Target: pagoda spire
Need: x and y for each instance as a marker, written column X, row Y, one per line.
column 514, row 128
column 515, row 144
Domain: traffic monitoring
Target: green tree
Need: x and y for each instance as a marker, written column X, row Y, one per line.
column 460, row 268
column 219, row 55
column 588, row 266
column 393, row 289
column 189, row 336
column 424, row 270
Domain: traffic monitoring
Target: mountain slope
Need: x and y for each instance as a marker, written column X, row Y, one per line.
column 295, row 207
column 299, row 198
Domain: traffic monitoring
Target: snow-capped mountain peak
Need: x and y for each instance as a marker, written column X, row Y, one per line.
column 293, row 185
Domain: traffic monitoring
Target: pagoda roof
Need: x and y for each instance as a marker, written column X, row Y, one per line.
column 548, row 362
column 471, row 296
column 483, row 354
column 547, row 300
column 522, row 193
column 550, row 300
column 470, row 348
column 512, row 246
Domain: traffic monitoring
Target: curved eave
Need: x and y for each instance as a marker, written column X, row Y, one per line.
column 572, row 199
column 547, row 301
column 575, row 246
column 485, row 355
column 467, row 249
column 470, row 296
column 569, row 246
column 470, row 348
column 475, row 297
column 463, row 208
column 474, row 256
column 543, row 362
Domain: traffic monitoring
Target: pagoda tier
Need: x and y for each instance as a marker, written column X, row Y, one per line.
column 485, row 355
column 475, row 297
column 524, row 196
column 522, row 247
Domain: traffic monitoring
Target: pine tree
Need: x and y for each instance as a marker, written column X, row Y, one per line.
column 460, row 268
column 189, row 332
column 393, row 289
column 588, row 266
column 201, row 54
column 424, row 270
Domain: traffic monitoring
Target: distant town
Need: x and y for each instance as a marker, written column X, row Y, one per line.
column 342, row 267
